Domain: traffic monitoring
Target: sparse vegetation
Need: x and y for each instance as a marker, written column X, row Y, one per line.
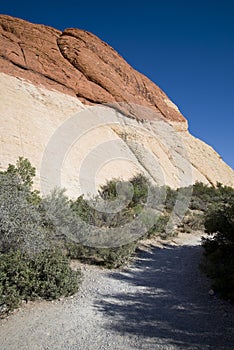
column 219, row 247
column 46, row 275
column 111, row 257
column 39, row 235
column 31, row 266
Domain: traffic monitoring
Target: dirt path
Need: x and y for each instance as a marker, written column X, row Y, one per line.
column 160, row 302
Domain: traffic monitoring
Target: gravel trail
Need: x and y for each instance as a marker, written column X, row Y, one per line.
column 160, row 302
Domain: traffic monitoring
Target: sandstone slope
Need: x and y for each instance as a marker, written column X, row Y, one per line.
column 78, row 63
column 48, row 76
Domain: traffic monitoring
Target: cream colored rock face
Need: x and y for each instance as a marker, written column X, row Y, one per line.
column 30, row 116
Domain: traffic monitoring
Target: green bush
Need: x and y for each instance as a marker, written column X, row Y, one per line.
column 219, row 266
column 159, row 229
column 23, row 170
column 21, row 226
column 33, row 229
column 140, row 189
column 192, row 221
column 59, row 218
column 136, row 196
column 219, row 248
column 28, row 229
column 204, row 196
column 137, row 192
column 170, row 198
column 47, row 275
column 221, row 222
column 85, row 209
column 112, row 257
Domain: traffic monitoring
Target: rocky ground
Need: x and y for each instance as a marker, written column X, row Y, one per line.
column 161, row 301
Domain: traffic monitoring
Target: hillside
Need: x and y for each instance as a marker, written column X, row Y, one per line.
column 82, row 115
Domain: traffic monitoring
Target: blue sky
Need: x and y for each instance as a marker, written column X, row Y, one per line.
column 185, row 47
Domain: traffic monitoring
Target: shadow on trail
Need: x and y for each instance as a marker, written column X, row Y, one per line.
column 165, row 298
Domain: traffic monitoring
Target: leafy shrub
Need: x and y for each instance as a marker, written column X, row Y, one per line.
column 219, row 266
column 20, row 222
column 85, row 209
column 58, row 216
column 23, row 170
column 119, row 256
column 112, row 257
column 192, row 221
column 219, row 248
column 203, row 195
column 221, row 222
column 28, row 227
column 170, row 198
column 138, row 194
column 140, row 189
column 47, row 275
column 159, row 228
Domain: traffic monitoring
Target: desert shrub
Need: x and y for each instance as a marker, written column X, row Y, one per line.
column 24, row 172
column 47, row 275
column 192, row 221
column 28, row 229
column 54, row 275
column 221, row 222
column 134, row 209
column 118, row 256
column 138, row 190
column 30, row 223
column 171, row 196
column 136, row 197
column 85, row 210
column 203, row 195
column 159, row 228
column 110, row 257
column 59, row 217
column 219, row 247
column 20, row 222
column 218, row 265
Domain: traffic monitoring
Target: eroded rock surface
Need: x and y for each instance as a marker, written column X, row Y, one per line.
column 77, row 62
column 48, row 76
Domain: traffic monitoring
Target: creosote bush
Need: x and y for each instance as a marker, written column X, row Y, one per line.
column 46, row 275
column 136, row 192
column 30, row 265
column 37, row 234
column 111, row 257
column 219, row 247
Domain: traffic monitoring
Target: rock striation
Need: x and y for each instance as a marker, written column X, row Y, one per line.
column 48, row 76
column 78, row 63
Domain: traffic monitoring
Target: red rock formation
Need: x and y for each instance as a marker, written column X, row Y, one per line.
column 76, row 62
